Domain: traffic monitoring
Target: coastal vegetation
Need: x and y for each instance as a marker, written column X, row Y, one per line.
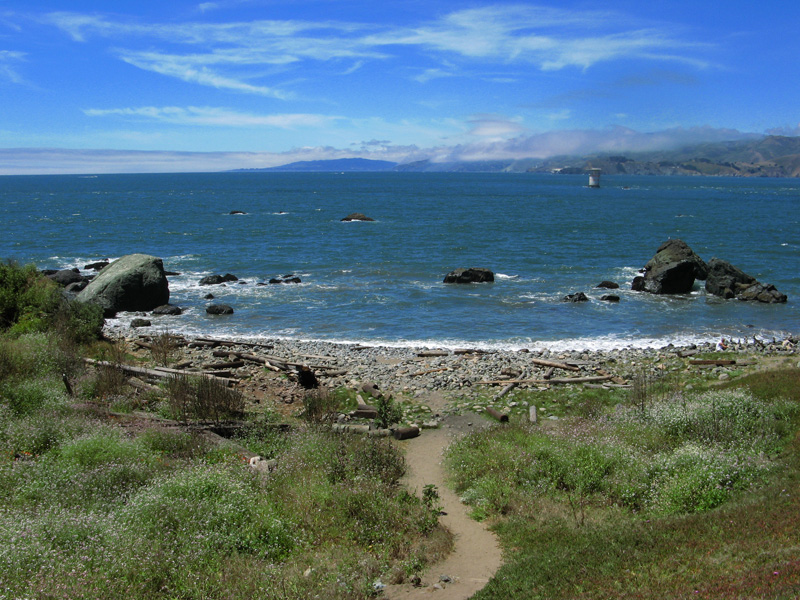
column 98, row 503
column 670, row 494
column 685, row 484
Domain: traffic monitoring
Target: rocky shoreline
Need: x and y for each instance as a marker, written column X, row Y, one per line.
column 457, row 378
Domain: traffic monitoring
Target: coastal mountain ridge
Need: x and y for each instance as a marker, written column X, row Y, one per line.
column 768, row 156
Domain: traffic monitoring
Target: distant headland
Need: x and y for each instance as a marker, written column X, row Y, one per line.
column 768, row 156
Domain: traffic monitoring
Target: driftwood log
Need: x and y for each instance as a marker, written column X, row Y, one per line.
column 564, row 380
column 160, row 373
column 502, row 417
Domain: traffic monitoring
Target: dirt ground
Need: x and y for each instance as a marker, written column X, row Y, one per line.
column 476, row 555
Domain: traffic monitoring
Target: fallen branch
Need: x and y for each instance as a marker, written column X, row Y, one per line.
column 427, row 372
column 718, row 363
column 160, row 373
column 565, row 380
column 556, row 365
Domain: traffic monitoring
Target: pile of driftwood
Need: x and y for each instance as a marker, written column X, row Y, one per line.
column 511, row 378
column 231, row 358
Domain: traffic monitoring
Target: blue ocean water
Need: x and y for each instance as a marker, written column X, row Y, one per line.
column 544, row 236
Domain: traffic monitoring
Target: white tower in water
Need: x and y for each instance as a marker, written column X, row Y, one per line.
column 594, row 178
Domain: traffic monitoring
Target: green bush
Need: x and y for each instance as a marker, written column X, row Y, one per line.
column 30, row 302
column 210, row 508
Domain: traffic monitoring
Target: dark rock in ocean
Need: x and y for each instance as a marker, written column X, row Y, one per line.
column 167, row 309
column 140, row 323
column 608, row 285
column 762, row 292
column 357, row 217
column 217, row 279
column 209, row 296
column 96, row 266
column 672, row 270
column 219, row 309
column 474, row 275
column 133, row 282
column 66, row 276
column 291, row 278
column 237, row 212
column 728, row 281
column 725, row 280
column 171, row 273
column 609, row 298
column 579, row 297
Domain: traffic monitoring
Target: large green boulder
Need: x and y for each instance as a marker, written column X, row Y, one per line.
column 133, row 282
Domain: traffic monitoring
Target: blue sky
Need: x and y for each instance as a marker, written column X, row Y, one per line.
column 146, row 86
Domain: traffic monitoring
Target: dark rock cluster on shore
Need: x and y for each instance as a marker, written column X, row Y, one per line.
column 675, row 267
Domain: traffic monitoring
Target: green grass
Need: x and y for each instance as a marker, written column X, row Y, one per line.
column 89, row 509
column 696, row 496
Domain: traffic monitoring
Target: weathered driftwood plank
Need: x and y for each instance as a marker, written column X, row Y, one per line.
column 234, row 364
column 429, row 371
column 564, row 380
column 505, row 390
column 718, row 363
column 159, row 373
column 550, row 363
column 232, row 343
column 432, row 353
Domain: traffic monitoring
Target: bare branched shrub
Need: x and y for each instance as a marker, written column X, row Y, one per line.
column 216, row 401
column 320, row 405
column 111, row 381
column 164, row 347
column 179, row 394
column 203, row 398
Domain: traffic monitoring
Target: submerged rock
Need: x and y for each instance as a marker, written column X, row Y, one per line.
column 357, row 217
column 217, row 279
column 578, row 297
column 219, row 309
column 473, row 275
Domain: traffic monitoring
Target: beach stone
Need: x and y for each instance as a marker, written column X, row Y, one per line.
column 219, row 309
column 136, row 323
column 357, row 217
column 472, row 275
column 672, row 270
column 133, row 282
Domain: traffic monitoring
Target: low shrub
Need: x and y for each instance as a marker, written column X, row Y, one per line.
column 203, row 398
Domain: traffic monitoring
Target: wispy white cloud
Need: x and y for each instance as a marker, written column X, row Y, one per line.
column 218, row 117
column 9, row 60
column 215, row 54
column 493, row 126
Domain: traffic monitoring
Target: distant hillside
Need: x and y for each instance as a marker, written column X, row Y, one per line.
column 769, row 156
column 337, row 165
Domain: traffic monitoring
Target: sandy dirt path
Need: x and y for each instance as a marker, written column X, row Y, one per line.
column 477, row 555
